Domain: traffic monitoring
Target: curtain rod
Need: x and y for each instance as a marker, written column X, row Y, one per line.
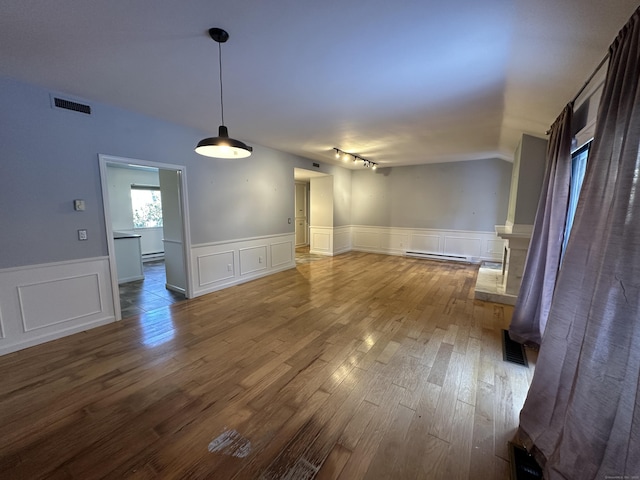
column 586, row 84
column 602, row 62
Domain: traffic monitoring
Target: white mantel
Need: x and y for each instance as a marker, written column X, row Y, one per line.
column 517, row 240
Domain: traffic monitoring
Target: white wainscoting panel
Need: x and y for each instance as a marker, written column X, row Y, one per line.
column 321, row 240
column 394, row 242
column 462, row 246
column 39, row 303
column 475, row 246
column 281, row 254
column 341, row 240
column 253, row 259
column 424, row 243
column 215, row 267
column 367, row 239
column 249, row 258
column 330, row 241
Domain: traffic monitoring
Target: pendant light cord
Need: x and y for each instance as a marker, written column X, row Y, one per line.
column 220, row 66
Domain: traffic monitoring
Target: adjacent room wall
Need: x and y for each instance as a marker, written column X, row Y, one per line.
column 120, row 180
column 470, row 196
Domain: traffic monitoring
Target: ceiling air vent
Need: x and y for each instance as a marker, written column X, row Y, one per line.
column 69, row 105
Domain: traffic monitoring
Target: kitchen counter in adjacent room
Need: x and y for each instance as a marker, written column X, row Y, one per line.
column 128, row 257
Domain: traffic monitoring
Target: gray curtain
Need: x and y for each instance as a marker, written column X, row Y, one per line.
column 582, row 414
column 543, row 258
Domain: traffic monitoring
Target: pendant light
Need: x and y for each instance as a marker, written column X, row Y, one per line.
column 222, row 146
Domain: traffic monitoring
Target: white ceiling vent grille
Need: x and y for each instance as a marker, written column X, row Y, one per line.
column 70, row 105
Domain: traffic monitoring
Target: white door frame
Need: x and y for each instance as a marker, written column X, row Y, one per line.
column 184, row 210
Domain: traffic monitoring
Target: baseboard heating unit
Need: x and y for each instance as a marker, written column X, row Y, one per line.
column 439, row 256
column 150, row 257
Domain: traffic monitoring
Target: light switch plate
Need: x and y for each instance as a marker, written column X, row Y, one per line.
column 78, row 205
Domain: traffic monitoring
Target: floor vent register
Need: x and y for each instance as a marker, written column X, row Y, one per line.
column 513, row 351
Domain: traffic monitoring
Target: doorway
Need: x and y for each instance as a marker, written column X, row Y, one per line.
column 302, row 206
column 302, row 214
column 149, row 262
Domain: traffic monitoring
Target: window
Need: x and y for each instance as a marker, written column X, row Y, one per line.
column 578, row 169
column 146, row 205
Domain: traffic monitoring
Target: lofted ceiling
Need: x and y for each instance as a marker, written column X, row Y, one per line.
column 400, row 83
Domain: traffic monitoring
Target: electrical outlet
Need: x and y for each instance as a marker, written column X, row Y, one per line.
column 82, row 234
column 259, row 259
column 229, row 267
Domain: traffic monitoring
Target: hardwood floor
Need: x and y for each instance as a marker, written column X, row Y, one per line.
column 355, row 366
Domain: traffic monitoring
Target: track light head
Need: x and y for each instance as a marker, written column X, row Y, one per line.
column 345, row 156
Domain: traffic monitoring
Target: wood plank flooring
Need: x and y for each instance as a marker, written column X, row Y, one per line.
column 356, row 366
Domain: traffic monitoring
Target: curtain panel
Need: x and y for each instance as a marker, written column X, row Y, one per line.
column 582, row 414
column 543, row 257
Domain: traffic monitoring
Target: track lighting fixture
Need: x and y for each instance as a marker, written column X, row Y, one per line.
column 345, row 156
column 222, row 146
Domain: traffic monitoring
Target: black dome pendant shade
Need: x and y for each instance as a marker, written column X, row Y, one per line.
column 222, row 146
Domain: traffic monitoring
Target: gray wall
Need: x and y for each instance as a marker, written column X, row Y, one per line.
column 49, row 157
column 469, row 195
column 342, row 196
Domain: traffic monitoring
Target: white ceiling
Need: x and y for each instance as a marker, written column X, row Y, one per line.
column 400, row 83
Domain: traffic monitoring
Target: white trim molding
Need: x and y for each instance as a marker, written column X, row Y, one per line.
column 329, row 240
column 39, row 303
column 219, row 265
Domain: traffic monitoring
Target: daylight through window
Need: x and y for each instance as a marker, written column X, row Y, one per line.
column 578, row 169
column 147, row 207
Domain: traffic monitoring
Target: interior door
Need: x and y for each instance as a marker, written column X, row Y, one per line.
column 301, row 221
column 172, row 231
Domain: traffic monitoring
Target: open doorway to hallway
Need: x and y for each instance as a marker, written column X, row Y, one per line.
column 303, row 210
